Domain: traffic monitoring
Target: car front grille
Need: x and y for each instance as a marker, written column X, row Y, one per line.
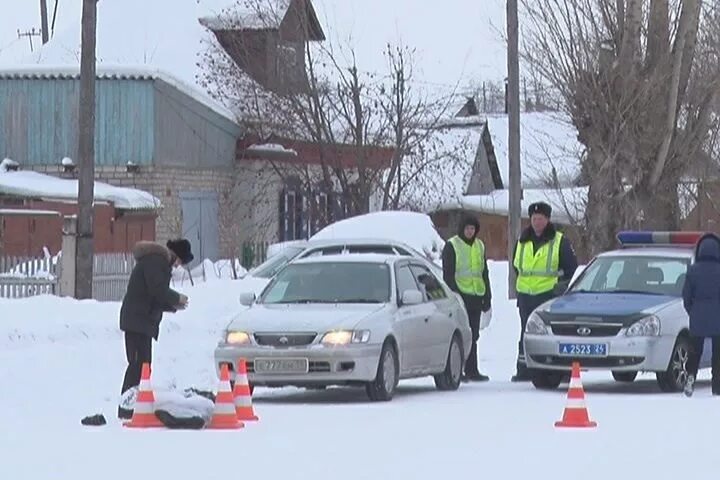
column 588, row 330
column 284, row 340
column 314, row 367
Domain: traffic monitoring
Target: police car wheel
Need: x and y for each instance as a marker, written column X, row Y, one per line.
column 673, row 379
column 625, row 377
column 546, row 380
column 451, row 377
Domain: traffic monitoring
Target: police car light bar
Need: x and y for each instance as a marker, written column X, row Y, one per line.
column 659, row 238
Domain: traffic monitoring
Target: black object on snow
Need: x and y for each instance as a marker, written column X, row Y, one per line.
column 94, row 420
column 173, row 422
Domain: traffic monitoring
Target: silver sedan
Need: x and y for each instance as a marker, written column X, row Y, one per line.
column 361, row 320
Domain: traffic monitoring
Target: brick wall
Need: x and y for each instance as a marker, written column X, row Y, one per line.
column 166, row 183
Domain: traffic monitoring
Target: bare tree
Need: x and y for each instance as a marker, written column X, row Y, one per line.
column 640, row 81
column 374, row 133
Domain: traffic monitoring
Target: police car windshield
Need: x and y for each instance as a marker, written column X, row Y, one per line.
column 634, row 274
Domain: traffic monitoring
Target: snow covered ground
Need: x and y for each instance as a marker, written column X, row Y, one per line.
column 63, row 359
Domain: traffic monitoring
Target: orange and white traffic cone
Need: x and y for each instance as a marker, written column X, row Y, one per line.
column 144, row 411
column 242, row 394
column 576, row 413
column 224, row 416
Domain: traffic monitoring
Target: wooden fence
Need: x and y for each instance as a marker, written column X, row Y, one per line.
column 22, row 277
column 111, row 272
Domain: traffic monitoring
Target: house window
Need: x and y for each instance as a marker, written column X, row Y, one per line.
column 303, row 213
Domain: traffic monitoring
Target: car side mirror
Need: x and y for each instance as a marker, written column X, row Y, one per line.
column 411, row 297
column 247, row 298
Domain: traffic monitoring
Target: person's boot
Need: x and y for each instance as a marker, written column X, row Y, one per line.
column 689, row 386
column 477, row 377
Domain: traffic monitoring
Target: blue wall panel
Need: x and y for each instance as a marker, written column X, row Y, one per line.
column 39, row 121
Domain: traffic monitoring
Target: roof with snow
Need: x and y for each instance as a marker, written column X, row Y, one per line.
column 568, row 204
column 158, row 45
column 547, row 140
column 49, row 188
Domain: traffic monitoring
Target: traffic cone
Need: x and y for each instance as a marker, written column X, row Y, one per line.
column 242, row 394
column 224, row 416
column 576, row 413
column 144, row 410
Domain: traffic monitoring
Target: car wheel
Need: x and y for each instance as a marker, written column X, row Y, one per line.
column 625, row 377
column 450, row 378
column 673, row 379
column 382, row 389
column 546, row 380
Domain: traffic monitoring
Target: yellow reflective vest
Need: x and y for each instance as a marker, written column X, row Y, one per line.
column 469, row 266
column 538, row 271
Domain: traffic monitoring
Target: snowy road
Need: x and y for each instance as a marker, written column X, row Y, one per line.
column 496, row 430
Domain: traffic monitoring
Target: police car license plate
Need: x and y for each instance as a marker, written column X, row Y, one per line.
column 583, row 349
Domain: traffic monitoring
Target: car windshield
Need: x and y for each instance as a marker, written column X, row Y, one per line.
column 634, row 274
column 330, row 282
column 274, row 264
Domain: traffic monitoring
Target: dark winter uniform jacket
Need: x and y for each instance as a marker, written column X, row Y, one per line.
column 567, row 262
column 448, row 261
column 701, row 292
column 148, row 292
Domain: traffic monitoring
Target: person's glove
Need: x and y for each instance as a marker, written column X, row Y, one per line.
column 182, row 305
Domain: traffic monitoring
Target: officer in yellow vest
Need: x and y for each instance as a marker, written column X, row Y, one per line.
column 465, row 271
column 544, row 262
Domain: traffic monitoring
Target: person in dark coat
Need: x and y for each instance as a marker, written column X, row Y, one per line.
column 147, row 297
column 533, row 241
column 701, row 299
column 474, row 304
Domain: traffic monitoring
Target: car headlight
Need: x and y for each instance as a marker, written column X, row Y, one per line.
column 646, row 327
column 345, row 337
column 535, row 325
column 237, row 338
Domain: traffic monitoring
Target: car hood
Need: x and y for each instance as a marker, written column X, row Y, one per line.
column 298, row 318
column 608, row 304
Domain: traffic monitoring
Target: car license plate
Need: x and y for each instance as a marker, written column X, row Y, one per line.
column 281, row 365
column 583, row 349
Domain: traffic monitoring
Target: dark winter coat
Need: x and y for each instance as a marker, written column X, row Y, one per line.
column 148, row 292
column 567, row 261
column 701, row 292
column 448, row 260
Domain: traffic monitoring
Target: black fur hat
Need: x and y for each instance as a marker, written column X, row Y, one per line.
column 182, row 249
column 540, row 207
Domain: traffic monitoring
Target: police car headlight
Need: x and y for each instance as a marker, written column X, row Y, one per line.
column 646, row 327
column 535, row 325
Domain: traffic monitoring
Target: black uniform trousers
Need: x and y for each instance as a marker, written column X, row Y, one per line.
column 698, row 346
column 526, row 304
column 474, row 312
column 138, row 349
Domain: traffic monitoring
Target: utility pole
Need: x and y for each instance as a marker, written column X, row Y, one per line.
column 44, row 21
column 513, row 100
column 86, row 150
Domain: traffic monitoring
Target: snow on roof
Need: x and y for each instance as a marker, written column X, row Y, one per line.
column 414, row 229
column 47, row 187
column 547, row 140
column 568, row 204
column 443, row 167
column 249, row 15
column 165, row 41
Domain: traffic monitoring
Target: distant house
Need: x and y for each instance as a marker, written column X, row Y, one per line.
column 157, row 128
column 550, row 166
column 32, row 206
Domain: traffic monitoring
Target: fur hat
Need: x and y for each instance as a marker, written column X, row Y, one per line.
column 181, row 248
column 540, row 207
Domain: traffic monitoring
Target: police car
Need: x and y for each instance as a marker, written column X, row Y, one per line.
column 624, row 314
